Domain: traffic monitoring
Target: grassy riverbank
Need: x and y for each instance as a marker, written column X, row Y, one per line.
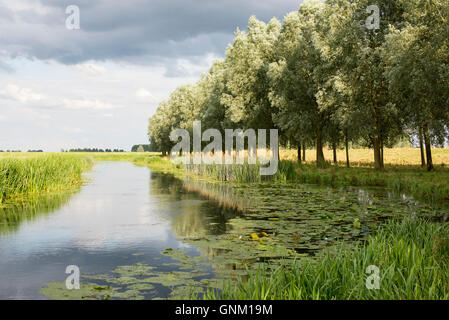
column 400, row 175
column 412, row 257
column 34, row 174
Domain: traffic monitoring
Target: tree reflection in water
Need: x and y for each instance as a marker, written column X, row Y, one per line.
column 13, row 214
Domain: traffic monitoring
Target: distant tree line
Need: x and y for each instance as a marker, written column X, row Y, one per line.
column 93, row 150
column 323, row 77
column 141, row 148
column 11, row 151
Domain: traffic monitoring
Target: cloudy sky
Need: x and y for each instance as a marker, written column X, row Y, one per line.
column 97, row 86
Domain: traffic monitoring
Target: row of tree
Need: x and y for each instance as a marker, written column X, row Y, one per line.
column 334, row 72
column 93, row 150
column 141, row 148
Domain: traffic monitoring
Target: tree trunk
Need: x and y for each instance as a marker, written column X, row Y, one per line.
column 164, row 153
column 377, row 161
column 382, row 153
column 376, row 140
column 319, row 149
column 304, row 152
column 421, row 147
column 334, row 148
column 347, row 150
column 299, row 152
column 428, row 147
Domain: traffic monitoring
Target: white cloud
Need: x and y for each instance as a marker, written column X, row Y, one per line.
column 90, row 69
column 73, row 130
column 145, row 95
column 113, row 114
column 31, row 99
column 23, row 95
column 88, row 104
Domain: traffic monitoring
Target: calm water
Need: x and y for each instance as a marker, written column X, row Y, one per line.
column 125, row 215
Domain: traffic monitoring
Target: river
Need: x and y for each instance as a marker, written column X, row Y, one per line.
column 123, row 216
column 138, row 234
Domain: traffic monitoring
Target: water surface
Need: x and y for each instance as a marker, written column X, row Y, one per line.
column 125, row 215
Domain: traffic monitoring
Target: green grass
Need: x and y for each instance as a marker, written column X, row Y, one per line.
column 33, row 175
column 412, row 257
column 158, row 163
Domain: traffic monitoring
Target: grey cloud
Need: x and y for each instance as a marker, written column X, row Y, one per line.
column 134, row 30
column 6, row 68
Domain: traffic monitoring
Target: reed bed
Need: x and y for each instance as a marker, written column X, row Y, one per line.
column 413, row 180
column 242, row 173
column 412, row 256
column 431, row 187
column 32, row 175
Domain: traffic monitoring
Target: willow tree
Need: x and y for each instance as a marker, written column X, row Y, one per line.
column 298, row 76
column 184, row 106
column 417, row 59
column 356, row 35
column 247, row 61
column 159, row 129
column 216, row 114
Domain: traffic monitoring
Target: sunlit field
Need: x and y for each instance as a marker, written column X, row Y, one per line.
column 364, row 157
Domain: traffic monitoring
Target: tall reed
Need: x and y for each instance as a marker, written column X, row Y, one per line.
column 43, row 174
column 243, row 173
column 412, row 257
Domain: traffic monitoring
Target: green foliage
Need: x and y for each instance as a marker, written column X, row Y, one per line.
column 298, row 77
column 412, row 257
column 145, row 148
column 417, row 66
